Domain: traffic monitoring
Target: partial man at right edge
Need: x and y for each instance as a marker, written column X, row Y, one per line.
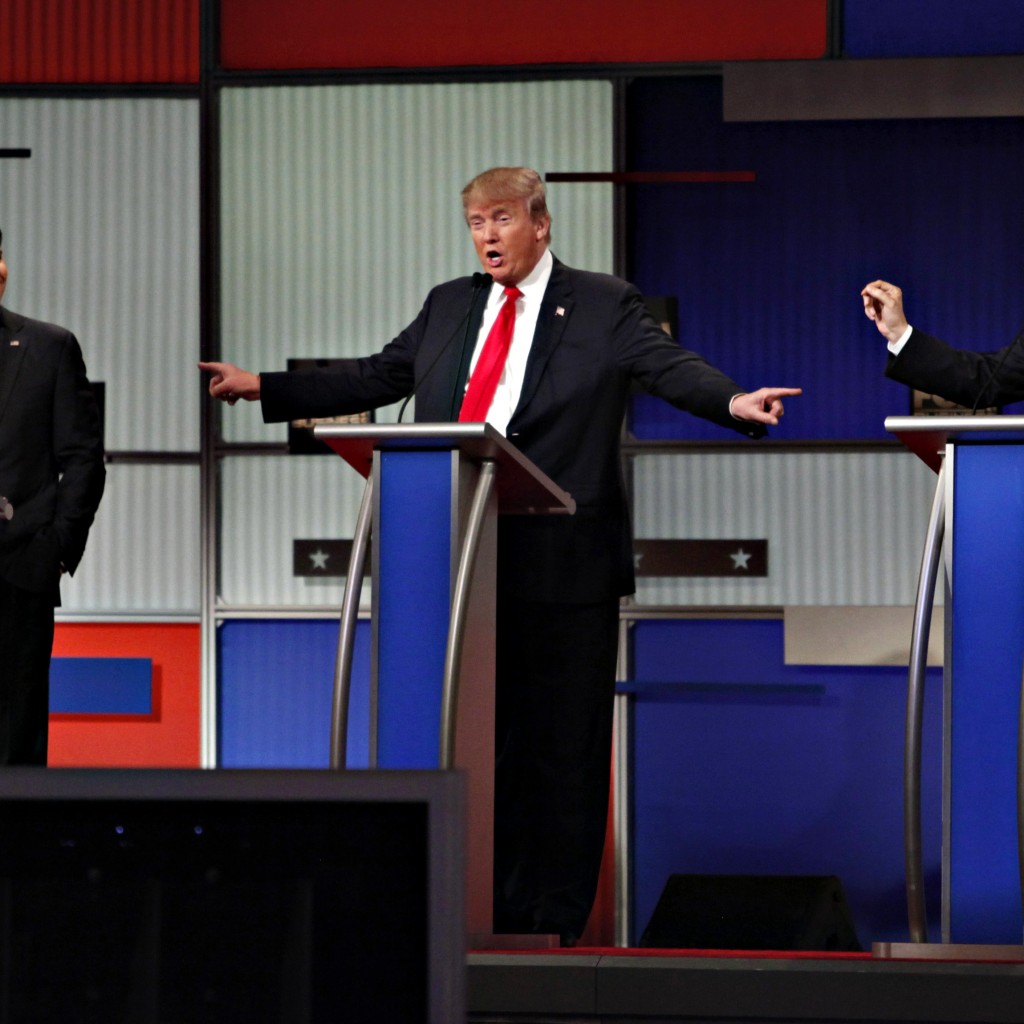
column 971, row 379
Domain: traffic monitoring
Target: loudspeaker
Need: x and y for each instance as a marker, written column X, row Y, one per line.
column 755, row 912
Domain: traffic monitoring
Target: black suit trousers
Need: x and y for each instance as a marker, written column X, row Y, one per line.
column 555, row 691
column 26, row 642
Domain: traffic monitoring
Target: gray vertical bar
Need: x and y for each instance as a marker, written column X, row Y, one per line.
column 209, row 349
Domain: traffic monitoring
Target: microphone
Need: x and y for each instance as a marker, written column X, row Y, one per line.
column 480, row 283
column 994, row 375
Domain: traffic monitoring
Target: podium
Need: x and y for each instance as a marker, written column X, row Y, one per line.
column 432, row 498
column 979, row 510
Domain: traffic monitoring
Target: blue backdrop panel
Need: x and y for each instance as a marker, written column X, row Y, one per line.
column 768, row 274
column 932, row 28
column 101, row 686
column 276, row 683
column 988, row 642
column 745, row 765
column 414, row 597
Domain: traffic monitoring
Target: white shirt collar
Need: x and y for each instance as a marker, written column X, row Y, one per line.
column 532, row 286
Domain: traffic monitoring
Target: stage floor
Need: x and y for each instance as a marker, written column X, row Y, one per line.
column 602, row 986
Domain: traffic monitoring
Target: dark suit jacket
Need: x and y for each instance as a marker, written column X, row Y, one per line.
column 51, row 452
column 594, row 340
column 932, row 366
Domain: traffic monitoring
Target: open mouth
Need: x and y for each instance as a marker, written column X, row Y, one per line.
column 493, row 257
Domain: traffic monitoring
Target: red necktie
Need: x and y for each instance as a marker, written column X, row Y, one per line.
column 487, row 372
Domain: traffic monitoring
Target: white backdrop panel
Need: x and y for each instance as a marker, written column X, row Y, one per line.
column 101, row 232
column 143, row 553
column 267, row 501
column 842, row 528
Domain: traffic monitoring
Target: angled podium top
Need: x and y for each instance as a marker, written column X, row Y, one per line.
column 927, row 436
column 522, row 488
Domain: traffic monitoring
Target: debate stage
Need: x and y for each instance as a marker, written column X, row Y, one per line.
column 630, row 986
column 311, row 896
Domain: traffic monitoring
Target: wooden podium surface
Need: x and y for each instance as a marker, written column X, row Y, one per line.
column 522, row 487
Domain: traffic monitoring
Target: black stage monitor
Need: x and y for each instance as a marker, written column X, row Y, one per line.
column 222, row 896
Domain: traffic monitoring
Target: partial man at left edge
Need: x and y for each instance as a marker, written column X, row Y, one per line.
column 51, row 480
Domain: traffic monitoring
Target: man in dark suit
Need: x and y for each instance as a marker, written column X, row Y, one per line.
column 972, row 379
column 581, row 340
column 51, row 481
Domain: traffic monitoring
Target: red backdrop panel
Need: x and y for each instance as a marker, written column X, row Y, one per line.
column 99, row 41
column 169, row 737
column 453, row 33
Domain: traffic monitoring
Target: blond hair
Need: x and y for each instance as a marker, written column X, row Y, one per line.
column 519, row 183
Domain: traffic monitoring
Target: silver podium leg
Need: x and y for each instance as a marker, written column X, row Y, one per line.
column 457, row 621
column 347, row 630
column 915, row 712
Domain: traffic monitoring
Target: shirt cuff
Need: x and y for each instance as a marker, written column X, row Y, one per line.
column 733, row 399
column 895, row 347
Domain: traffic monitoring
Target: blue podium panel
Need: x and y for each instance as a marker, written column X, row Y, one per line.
column 413, row 597
column 984, row 682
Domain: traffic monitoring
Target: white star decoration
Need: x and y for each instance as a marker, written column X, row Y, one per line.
column 319, row 558
column 740, row 558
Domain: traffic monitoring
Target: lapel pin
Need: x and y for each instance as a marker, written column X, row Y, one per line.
column 560, row 311
column 15, row 343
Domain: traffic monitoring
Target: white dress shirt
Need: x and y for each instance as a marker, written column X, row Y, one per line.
column 510, row 386
column 895, row 347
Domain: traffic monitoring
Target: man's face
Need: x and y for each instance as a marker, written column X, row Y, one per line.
column 508, row 242
column 3, row 274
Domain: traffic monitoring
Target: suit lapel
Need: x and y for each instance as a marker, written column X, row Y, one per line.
column 12, row 348
column 465, row 352
column 555, row 310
